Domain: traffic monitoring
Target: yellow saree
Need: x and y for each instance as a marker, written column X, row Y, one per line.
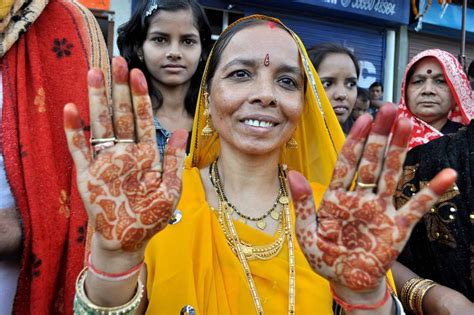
column 190, row 263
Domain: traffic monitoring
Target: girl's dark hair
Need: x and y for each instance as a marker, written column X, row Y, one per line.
column 320, row 51
column 224, row 40
column 132, row 34
column 362, row 94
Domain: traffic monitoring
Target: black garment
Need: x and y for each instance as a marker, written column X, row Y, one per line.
column 450, row 127
column 441, row 247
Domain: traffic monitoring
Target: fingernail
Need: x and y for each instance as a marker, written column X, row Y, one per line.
column 299, row 186
column 402, row 132
column 119, row 70
column 71, row 117
column 384, row 119
column 443, row 181
column 179, row 139
column 95, row 78
column 361, row 127
column 138, row 82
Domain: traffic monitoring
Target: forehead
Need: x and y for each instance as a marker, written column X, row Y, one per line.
column 426, row 64
column 173, row 21
column 335, row 63
column 256, row 41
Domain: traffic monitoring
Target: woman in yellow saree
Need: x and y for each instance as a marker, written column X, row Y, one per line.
column 236, row 242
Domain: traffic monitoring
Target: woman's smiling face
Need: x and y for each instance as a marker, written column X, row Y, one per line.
column 257, row 91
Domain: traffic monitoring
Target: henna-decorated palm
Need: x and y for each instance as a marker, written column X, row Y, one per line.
column 357, row 233
column 127, row 194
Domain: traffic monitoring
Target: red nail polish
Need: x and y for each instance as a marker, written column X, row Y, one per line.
column 72, row 120
column 95, row 78
column 361, row 128
column 138, row 82
column 443, row 181
column 402, row 133
column 384, row 120
column 119, row 70
column 299, row 186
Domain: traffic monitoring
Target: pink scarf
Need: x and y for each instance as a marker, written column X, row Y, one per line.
column 463, row 109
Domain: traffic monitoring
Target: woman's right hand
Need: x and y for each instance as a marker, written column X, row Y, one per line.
column 128, row 193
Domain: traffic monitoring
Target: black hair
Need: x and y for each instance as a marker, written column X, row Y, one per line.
column 132, row 34
column 318, row 52
column 224, row 40
column 376, row 84
column 363, row 94
column 470, row 70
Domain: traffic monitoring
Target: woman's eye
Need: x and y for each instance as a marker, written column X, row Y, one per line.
column 418, row 81
column 240, row 74
column 288, row 82
column 326, row 83
column 351, row 84
column 189, row 42
column 159, row 39
column 440, row 81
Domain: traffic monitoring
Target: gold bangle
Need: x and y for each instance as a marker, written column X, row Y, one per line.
column 83, row 306
column 406, row 293
column 422, row 290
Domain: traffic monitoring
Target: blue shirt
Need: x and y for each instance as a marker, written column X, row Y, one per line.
column 162, row 136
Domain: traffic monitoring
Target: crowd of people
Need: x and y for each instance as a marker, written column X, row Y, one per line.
column 245, row 177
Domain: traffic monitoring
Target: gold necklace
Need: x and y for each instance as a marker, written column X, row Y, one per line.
column 259, row 221
column 237, row 246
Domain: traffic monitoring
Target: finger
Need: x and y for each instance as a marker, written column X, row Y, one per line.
column 306, row 225
column 408, row 215
column 76, row 140
column 394, row 159
column 122, row 101
column 100, row 115
column 142, row 108
column 346, row 164
column 175, row 153
column 371, row 163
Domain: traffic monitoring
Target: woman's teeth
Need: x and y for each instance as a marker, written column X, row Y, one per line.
column 258, row 123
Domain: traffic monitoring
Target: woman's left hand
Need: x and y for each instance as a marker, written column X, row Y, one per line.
column 357, row 233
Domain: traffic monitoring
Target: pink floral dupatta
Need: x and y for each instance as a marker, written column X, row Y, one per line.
column 463, row 110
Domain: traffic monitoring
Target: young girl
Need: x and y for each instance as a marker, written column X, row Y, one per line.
column 168, row 40
column 339, row 71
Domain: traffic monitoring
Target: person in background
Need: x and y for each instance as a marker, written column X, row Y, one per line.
column 233, row 249
column 46, row 49
column 168, row 40
column 376, row 97
column 436, row 96
column 339, row 71
column 440, row 247
column 362, row 103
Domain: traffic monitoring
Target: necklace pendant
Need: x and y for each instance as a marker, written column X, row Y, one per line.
column 275, row 215
column 284, row 200
column 261, row 224
column 242, row 220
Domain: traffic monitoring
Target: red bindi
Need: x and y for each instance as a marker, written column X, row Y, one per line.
column 271, row 24
column 429, row 71
column 266, row 61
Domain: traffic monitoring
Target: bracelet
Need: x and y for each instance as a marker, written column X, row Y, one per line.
column 113, row 276
column 412, row 294
column 350, row 307
column 83, row 306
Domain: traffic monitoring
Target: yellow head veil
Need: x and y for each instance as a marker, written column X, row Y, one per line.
column 318, row 134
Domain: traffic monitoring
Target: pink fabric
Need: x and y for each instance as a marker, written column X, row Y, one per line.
column 463, row 110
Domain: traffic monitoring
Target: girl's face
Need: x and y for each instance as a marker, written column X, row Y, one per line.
column 428, row 94
column 257, row 91
column 172, row 48
column 339, row 77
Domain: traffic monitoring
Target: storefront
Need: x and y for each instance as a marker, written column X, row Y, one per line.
column 368, row 27
column 442, row 31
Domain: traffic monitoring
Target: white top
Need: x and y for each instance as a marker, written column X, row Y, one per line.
column 9, row 271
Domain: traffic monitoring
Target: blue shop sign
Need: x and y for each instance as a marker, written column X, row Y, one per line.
column 451, row 19
column 383, row 11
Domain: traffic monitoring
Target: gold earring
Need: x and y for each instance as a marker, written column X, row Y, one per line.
column 207, row 130
column 292, row 143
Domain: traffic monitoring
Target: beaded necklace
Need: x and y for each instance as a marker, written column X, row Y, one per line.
column 227, row 225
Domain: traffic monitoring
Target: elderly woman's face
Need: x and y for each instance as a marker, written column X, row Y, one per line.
column 428, row 94
column 256, row 95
